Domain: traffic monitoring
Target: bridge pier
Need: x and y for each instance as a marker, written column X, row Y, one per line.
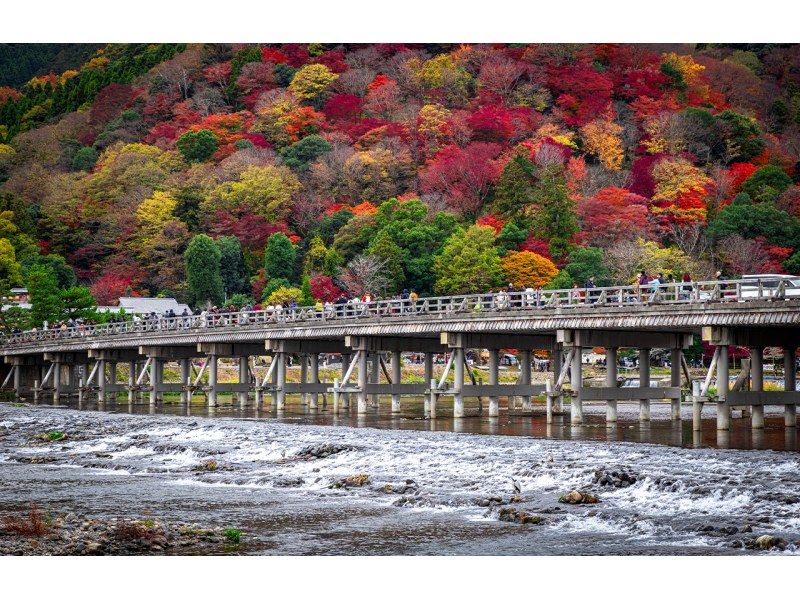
column 303, row 378
column 790, row 384
column 494, row 399
column 644, row 382
column 396, row 379
column 723, row 385
column 525, row 376
column 186, row 391
column 345, row 398
column 361, row 356
column 428, row 375
column 131, row 382
column 576, row 381
column 676, row 361
column 611, row 382
column 211, row 366
column 314, row 380
column 374, row 377
column 458, row 382
column 244, row 378
column 757, row 385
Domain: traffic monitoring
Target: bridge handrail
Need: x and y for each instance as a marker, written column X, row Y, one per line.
column 522, row 300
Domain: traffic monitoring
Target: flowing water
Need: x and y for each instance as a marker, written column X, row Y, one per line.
column 685, row 500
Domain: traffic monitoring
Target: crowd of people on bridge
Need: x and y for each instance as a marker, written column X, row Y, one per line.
column 645, row 288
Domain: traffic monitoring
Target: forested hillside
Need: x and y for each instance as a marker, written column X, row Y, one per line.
column 207, row 172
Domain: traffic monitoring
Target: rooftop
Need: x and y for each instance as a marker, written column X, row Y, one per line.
column 146, row 305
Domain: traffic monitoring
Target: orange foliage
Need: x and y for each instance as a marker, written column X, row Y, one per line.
column 528, row 269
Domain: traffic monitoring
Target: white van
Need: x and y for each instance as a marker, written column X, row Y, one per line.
column 766, row 285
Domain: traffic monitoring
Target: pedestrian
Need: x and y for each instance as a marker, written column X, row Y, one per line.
column 590, row 285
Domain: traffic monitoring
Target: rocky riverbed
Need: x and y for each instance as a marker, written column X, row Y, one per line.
column 110, row 483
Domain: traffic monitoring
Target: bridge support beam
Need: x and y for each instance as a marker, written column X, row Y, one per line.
column 345, row 398
column 212, row 379
column 723, row 410
column 374, row 377
column 396, row 378
column 458, row 382
column 314, row 358
column 244, row 378
column 676, row 360
column 790, row 384
column 494, row 365
column 131, row 382
column 525, row 376
column 428, row 375
column 644, row 382
column 361, row 355
column 757, row 385
column 576, row 381
column 186, row 393
column 303, row 377
column 611, row 382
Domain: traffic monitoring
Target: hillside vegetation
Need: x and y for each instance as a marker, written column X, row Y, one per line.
column 296, row 171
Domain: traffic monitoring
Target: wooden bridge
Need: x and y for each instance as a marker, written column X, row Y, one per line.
column 372, row 337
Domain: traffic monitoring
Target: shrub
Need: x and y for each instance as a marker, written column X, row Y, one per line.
column 233, row 535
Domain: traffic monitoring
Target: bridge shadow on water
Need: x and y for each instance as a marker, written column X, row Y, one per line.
column 659, row 430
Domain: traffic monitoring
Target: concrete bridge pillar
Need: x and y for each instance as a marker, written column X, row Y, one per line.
column 428, row 375
column 790, row 383
column 83, row 382
column 361, row 355
column 186, row 393
column 131, row 381
column 244, row 378
column 314, row 379
column 212, row 379
column 57, row 367
column 494, row 364
column 101, row 380
column 644, row 382
column 396, row 378
column 676, row 359
column 557, row 357
column 611, row 382
column 303, row 377
column 374, row 376
column 757, row 384
column 576, row 381
column 525, row 376
column 458, row 382
column 17, row 380
column 723, row 410
column 346, row 357
column 279, row 377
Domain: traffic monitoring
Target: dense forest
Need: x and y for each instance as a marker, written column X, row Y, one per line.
column 250, row 173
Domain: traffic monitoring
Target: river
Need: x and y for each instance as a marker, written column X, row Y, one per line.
column 685, row 500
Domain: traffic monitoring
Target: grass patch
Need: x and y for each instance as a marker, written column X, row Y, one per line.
column 233, row 535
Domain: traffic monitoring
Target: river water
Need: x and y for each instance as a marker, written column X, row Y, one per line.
column 685, row 501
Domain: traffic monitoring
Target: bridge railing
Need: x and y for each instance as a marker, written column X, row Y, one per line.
column 484, row 303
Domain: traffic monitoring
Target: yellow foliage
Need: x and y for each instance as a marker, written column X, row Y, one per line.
column 557, row 134
column 154, row 212
column 602, row 138
column 528, row 269
column 675, row 177
column 263, row 190
column 311, row 80
column 6, row 151
column 685, row 65
column 96, row 63
column 284, row 295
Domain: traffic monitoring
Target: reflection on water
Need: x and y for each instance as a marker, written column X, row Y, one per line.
column 659, row 430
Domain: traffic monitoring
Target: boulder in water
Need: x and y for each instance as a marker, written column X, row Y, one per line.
column 576, row 497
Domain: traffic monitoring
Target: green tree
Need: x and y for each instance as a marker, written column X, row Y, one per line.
column 330, row 225
column 300, row 154
column 742, row 136
column 510, row 238
column 85, row 159
column 9, row 268
column 514, row 189
column 197, row 146
column 203, row 278
column 469, row 262
column 65, row 275
column 315, row 257
column 554, row 218
column 279, row 257
column 749, row 220
column 273, row 285
column 231, row 264
column 44, row 295
column 767, row 183
column 187, row 206
column 582, row 263
column 77, row 302
column 384, row 248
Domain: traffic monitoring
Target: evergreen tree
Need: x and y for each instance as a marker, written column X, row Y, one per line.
column 44, row 296
column 514, row 189
column 555, row 213
column 469, row 262
column 203, row 276
column 279, row 257
column 231, row 264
